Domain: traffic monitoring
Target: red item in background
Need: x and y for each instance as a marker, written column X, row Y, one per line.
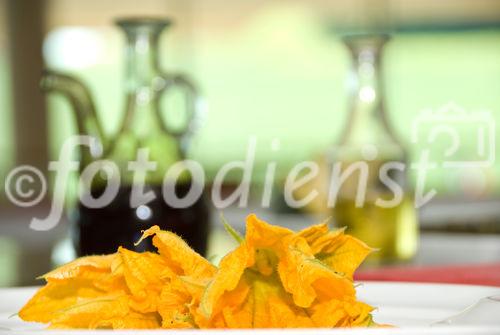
column 477, row 274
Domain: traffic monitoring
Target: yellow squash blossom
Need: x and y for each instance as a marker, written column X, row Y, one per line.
column 275, row 278
column 123, row 290
column 90, row 292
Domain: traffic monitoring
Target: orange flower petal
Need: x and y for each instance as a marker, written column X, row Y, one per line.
column 48, row 302
column 88, row 313
column 343, row 253
column 80, row 266
column 266, row 305
column 143, row 270
column 306, row 278
column 231, row 269
column 340, row 313
column 178, row 255
column 260, row 234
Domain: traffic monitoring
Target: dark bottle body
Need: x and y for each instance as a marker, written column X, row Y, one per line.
column 102, row 230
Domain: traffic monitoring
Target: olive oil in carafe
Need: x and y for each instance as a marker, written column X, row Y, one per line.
column 389, row 227
column 392, row 231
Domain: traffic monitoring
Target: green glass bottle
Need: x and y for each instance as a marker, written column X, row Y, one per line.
column 144, row 131
column 374, row 204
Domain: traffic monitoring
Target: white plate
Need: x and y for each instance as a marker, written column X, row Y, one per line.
column 411, row 307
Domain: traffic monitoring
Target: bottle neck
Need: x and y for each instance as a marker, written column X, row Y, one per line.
column 367, row 121
column 142, row 125
column 141, row 60
column 366, row 54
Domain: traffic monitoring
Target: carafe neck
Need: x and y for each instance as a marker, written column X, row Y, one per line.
column 366, row 53
column 367, row 121
column 142, row 68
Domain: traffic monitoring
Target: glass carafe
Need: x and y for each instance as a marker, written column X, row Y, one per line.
column 146, row 131
column 373, row 200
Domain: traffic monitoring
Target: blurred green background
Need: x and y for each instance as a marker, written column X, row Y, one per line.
column 277, row 72
column 280, row 73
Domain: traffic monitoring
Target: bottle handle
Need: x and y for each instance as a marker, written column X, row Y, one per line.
column 193, row 106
